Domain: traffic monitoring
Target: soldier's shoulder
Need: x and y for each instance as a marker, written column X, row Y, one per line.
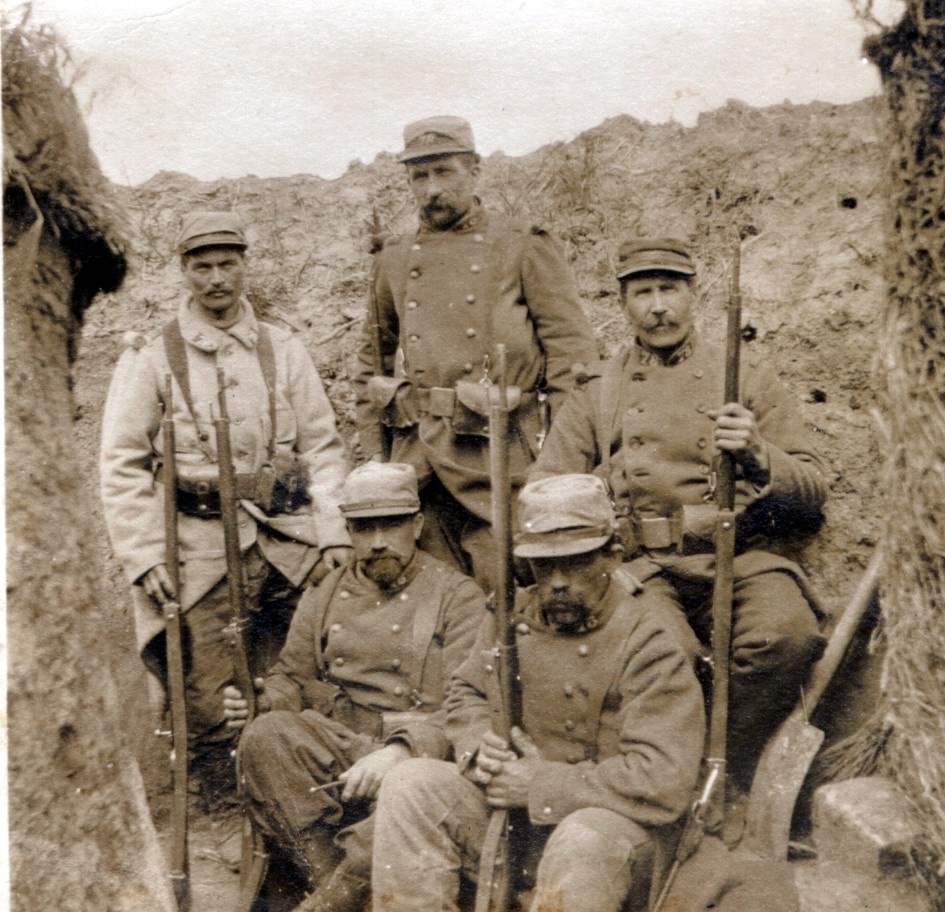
column 435, row 572
column 516, row 225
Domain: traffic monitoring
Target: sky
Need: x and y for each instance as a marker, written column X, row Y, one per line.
column 225, row 88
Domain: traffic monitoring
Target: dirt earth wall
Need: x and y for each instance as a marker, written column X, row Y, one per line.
column 801, row 183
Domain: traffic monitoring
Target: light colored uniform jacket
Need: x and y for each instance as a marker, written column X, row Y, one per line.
column 444, row 298
column 132, row 448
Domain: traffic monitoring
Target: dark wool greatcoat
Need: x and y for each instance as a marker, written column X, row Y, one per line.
column 443, row 299
column 651, row 418
column 386, row 651
column 616, row 712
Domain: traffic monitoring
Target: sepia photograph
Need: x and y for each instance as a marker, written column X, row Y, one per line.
column 474, row 457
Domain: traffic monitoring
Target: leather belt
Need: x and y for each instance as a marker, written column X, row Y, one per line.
column 440, row 401
column 201, row 498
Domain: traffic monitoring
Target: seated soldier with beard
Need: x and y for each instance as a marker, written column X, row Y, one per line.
column 611, row 732
column 357, row 688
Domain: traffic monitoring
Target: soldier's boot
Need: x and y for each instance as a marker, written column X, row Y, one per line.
column 315, row 854
column 346, row 890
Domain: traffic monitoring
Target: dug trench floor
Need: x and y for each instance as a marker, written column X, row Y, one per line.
column 830, row 882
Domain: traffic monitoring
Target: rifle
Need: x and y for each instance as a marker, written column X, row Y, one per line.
column 254, row 858
column 710, row 803
column 495, row 882
column 179, row 860
column 375, row 317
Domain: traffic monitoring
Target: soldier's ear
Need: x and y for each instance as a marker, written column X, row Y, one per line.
column 417, row 525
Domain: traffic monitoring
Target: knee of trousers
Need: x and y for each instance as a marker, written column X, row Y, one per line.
column 262, row 744
column 783, row 638
column 591, row 840
column 417, row 781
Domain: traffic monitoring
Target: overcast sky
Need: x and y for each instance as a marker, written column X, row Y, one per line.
column 224, row 88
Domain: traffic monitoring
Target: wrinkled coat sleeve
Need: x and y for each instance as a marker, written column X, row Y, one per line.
column 662, row 726
column 797, row 475
column 381, row 326
column 463, row 612
column 298, row 665
column 572, row 444
column 563, row 331
column 132, row 503
column 318, row 444
column 468, row 715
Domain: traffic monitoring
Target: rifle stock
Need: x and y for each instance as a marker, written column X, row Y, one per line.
column 494, row 886
column 179, row 859
column 254, row 858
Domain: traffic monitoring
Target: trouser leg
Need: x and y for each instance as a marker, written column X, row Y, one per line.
column 589, row 862
column 775, row 639
column 429, row 826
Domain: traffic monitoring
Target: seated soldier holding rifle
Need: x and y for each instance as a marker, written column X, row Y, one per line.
column 653, row 426
column 607, row 750
column 357, row 689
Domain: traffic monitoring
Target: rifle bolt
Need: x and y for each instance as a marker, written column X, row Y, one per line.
column 161, row 733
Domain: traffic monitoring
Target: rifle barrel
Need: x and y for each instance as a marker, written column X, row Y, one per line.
column 179, row 860
column 229, row 500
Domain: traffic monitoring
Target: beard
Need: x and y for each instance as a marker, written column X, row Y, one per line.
column 565, row 614
column 384, row 569
column 440, row 215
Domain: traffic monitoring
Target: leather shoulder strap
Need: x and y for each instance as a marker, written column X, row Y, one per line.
column 175, row 349
column 608, row 406
column 267, row 364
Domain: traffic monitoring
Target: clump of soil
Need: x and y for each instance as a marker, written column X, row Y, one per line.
column 801, row 185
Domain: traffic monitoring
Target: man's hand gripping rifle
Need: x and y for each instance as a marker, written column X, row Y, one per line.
column 493, row 891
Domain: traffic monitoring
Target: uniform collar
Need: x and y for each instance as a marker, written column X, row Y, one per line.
column 650, row 356
column 474, row 220
column 207, row 337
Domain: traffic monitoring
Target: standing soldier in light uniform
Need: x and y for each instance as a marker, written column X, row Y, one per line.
column 216, row 328
column 651, row 426
column 442, row 297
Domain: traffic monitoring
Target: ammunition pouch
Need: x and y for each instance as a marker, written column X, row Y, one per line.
column 395, row 401
column 281, row 485
column 466, row 406
column 689, row 530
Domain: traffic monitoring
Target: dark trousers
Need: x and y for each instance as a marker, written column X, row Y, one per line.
column 775, row 639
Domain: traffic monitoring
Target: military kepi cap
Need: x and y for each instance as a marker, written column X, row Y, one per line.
column 654, row 255
column 210, row 229
column 562, row 515
column 441, row 135
column 380, row 489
